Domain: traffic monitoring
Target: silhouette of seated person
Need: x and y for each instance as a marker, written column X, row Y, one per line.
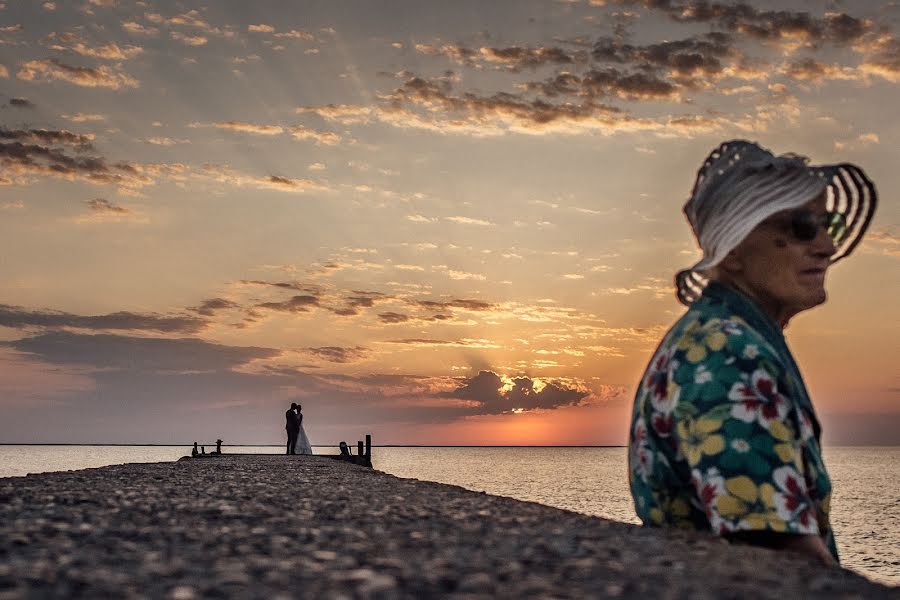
column 345, row 449
column 194, row 451
column 218, row 449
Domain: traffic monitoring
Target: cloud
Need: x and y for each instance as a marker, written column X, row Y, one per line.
column 462, row 304
column 21, row 103
column 17, row 317
column 393, row 317
column 275, row 182
column 52, row 155
column 300, row 303
column 54, row 70
column 188, row 40
column 209, row 308
column 429, row 342
column 295, row 34
column 69, row 42
column 337, row 354
column 165, row 141
column 687, row 61
column 469, row 221
column 882, row 242
column 514, row 58
column 493, row 394
column 766, row 25
column 883, row 58
column 105, row 206
column 105, row 351
column 816, row 71
column 342, row 113
column 327, row 138
column 136, row 28
column 246, row 127
column 84, row 117
column 262, row 28
column 4, row 72
column 81, row 142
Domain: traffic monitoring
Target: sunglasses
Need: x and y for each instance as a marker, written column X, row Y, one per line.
column 804, row 225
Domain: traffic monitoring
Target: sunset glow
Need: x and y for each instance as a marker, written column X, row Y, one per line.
column 439, row 223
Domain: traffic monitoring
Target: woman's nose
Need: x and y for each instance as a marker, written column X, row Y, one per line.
column 823, row 244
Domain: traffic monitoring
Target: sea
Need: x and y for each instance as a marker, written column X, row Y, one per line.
column 593, row 481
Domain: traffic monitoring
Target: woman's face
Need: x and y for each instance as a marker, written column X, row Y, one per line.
column 785, row 275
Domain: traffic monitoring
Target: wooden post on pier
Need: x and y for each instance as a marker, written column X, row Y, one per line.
column 369, row 448
column 359, row 448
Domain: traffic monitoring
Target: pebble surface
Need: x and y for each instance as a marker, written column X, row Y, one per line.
column 305, row 526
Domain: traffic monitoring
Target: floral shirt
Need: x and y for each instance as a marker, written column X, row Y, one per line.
column 723, row 435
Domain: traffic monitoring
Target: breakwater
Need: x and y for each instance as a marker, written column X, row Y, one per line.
column 306, row 526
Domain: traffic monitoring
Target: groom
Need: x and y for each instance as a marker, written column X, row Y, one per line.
column 293, row 428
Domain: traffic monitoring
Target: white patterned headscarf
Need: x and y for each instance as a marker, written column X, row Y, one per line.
column 741, row 184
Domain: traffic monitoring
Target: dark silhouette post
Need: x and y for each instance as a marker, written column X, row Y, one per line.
column 218, row 446
column 369, row 447
column 359, row 448
column 195, row 452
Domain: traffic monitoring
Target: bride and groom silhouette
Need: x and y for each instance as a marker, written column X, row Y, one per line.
column 297, row 442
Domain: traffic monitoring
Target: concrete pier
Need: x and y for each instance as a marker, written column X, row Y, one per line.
column 310, row 527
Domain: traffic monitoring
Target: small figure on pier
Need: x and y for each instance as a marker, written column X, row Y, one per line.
column 345, row 449
column 292, row 426
column 203, row 450
column 195, row 452
column 218, row 446
column 295, row 433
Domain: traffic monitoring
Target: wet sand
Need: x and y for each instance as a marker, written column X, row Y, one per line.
column 282, row 527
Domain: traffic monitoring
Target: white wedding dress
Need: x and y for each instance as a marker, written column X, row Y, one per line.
column 303, row 445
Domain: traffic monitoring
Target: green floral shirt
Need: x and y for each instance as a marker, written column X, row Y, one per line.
column 723, row 435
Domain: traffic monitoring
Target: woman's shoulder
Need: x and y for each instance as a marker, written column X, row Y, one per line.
column 705, row 333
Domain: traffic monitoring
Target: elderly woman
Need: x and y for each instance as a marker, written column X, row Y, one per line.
column 724, row 437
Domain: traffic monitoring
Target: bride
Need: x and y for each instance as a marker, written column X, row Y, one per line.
column 303, row 445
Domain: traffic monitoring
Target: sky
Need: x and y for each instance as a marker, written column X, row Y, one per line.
column 435, row 222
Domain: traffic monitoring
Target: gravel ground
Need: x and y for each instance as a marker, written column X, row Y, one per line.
column 282, row 527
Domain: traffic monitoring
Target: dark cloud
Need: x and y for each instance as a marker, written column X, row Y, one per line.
column 21, row 103
column 105, row 206
column 286, row 285
column 393, row 317
column 477, row 305
column 18, row 318
column 60, row 137
column 48, row 152
column 685, row 59
column 605, row 83
column 492, row 396
column 338, row 354
column 517, row 58
column 739, row 17
column 294, row 305
column 208, row 308
column 359, row 299
column 106, row 351
column 480, row 110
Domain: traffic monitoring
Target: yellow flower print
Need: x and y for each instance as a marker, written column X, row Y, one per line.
column 697, row 437
column 742, row 493
column 784, row 448
column 697, row 340
column 767, row 519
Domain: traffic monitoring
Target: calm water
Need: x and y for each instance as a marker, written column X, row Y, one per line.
column 865, row 511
